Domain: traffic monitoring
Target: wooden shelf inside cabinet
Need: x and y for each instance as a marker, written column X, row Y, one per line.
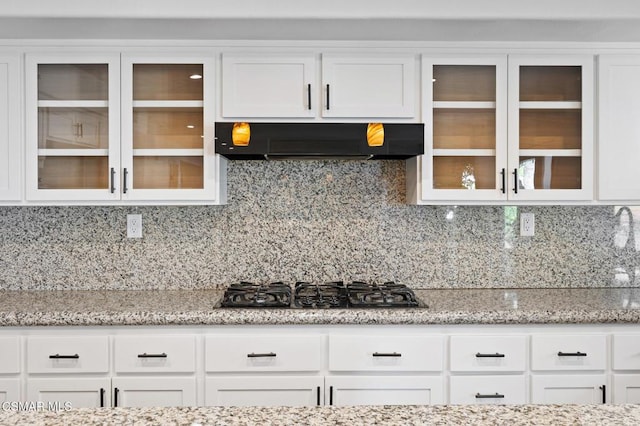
column 550, row 105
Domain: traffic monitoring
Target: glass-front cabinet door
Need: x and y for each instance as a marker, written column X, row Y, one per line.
column 167, row 129
column 465, row 105
column 551, row 128
column 72, row 123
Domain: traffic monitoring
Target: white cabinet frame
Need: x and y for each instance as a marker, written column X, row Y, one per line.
column 10, row 128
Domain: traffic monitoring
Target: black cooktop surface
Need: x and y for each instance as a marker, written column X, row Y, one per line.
column 334, row 294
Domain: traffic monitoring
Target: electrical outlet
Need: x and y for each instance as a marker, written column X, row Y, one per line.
column 134, row 226
column 527, row 224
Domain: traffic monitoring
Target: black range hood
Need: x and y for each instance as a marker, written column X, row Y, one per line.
column 320, row 141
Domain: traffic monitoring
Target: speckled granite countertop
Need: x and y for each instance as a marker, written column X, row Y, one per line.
column 477, row 415
column 193, row 307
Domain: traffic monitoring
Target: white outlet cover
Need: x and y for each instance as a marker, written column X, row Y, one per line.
column 527, row 224
column 134, row 226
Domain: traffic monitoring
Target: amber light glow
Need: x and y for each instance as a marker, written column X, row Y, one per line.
column 375, row 134
column 241, row 134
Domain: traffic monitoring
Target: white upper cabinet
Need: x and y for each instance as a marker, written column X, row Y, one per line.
column 280, row 85
column 262, row 85
column 618, row 128
column 72, row 127
column 465, row 116
column 167, row 129
column 369, row 86
column 551, row 128
column 92, row 137
column 498, row 128
column 10, row 138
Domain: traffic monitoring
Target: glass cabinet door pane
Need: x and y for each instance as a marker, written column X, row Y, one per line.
column 168, row 172
column 73, row 172
column 550, row 173
column 464, row 128
column 550, row 83
column 67, row 82
column 73, row 128
column 464, row 83
column 167, row 82
column 550, row 129
column 167, row 128
column 464, row 172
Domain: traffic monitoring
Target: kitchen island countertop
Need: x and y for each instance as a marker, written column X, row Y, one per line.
column 477, row 415
column 202, row 307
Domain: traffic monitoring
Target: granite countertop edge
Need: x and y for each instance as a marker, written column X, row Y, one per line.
column 202, row 307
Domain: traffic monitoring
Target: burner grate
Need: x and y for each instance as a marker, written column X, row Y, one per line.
column 328, row 295
column 249, row 295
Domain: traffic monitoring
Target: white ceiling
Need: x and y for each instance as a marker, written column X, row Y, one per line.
column 419, row 20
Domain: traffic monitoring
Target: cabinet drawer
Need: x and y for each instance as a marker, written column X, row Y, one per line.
column 488, row 353
column 63, row 354
column 568, row 352
column 385, row 353
column 626, row 351
column 488, row 390
column 140, row 354
column 9, row 355
column 244, row 353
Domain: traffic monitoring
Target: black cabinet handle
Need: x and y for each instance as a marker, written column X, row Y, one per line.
column 101, row 397
column 604, row 394
column 515, row 180
column 328, row 107
column 487, row 396
column 146, row 355
column 503, row 173
column 116, row 391
column 572, row 353
column 387, row 354
column 265, row 355
column 309, row 97
column 58, row 356
column 318, row 396
column 496, row 355
column 113, row 180
column 330, row 395
column 124, row 180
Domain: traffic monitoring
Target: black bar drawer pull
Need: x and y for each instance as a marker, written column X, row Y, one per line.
column 496, row 355
column 487, row 396
column 515, row 181
column 572, row 353
column 504, row 181
column 116, row 391
column 101, row 397
column 318, row 395
column 125, row 174
column 309, row 100
column 328, row 105
column 265, row 355
column 604, row 394
column 146, row 355
column 330, row 395
column 58, row 356
column 387, row 354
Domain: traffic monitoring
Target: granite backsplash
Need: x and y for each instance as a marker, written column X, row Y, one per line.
column 317, row 221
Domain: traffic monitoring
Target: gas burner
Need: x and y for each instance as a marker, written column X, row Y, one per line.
column 328, row 295
column 249, row 295
column 387, row 295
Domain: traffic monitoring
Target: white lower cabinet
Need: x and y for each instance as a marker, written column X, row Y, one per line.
column 569, row 389
column 153, row 391
column 384, row 390
column 488, row 390
column 9, row 390
column 626, row 389
column 291, row 391
column 80, row 392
